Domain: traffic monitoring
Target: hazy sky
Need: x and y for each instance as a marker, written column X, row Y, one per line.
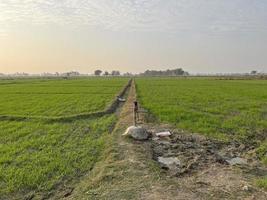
column 133, row 35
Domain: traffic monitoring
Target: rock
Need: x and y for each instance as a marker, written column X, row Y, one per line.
column 68, row 192
column 29, row 197
column 158, row 150
column 164, row 143
column 237, row 161
column 241, row 147
column 169, row 163
column 155, row 138
column 137, row 132
column 163, row 134
column 245, row 188
column 220, row 159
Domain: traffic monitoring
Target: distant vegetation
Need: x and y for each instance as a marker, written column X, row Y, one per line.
column 173, row 72
column 254, row 74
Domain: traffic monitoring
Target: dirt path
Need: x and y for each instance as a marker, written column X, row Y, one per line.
column 127, row 171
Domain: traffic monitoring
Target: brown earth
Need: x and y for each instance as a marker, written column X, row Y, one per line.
column 129, row 170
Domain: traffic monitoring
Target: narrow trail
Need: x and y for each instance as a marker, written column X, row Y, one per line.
column 127, row 171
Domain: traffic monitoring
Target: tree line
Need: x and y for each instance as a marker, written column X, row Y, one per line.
column 172, row 72
column 168, row 72
column 99, row 72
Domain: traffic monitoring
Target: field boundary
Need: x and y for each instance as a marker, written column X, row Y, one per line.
column 111, row 108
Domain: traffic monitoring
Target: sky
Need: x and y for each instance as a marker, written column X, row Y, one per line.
column 201, row 36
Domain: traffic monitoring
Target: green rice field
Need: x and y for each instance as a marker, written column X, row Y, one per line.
column 212, row 107
column 38, row 156
column 54, row 98
column 223, row 109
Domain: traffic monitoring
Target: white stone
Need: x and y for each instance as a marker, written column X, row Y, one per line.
column 237, row 161
column 163, row 134
column 137, row 132
column 245, row 188
column 169, row 162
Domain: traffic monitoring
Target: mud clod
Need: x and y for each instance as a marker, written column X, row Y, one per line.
column 195, row 152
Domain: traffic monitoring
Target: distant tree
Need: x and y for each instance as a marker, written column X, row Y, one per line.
column 186, row 74
column 173, row 72
column 115, row 73
column 106, row 73
column 72, row 73
column 254, row 72
column 178, row 71
column 127, row 74
column 98, row 72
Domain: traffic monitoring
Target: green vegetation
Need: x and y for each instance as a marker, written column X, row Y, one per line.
column 227, row 109
column 223, row 109
column 57, row 97
column 262, row 151
column 262, row 183
column 37, row 155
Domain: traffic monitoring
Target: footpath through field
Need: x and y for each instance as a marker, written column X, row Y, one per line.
column 127, row 171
